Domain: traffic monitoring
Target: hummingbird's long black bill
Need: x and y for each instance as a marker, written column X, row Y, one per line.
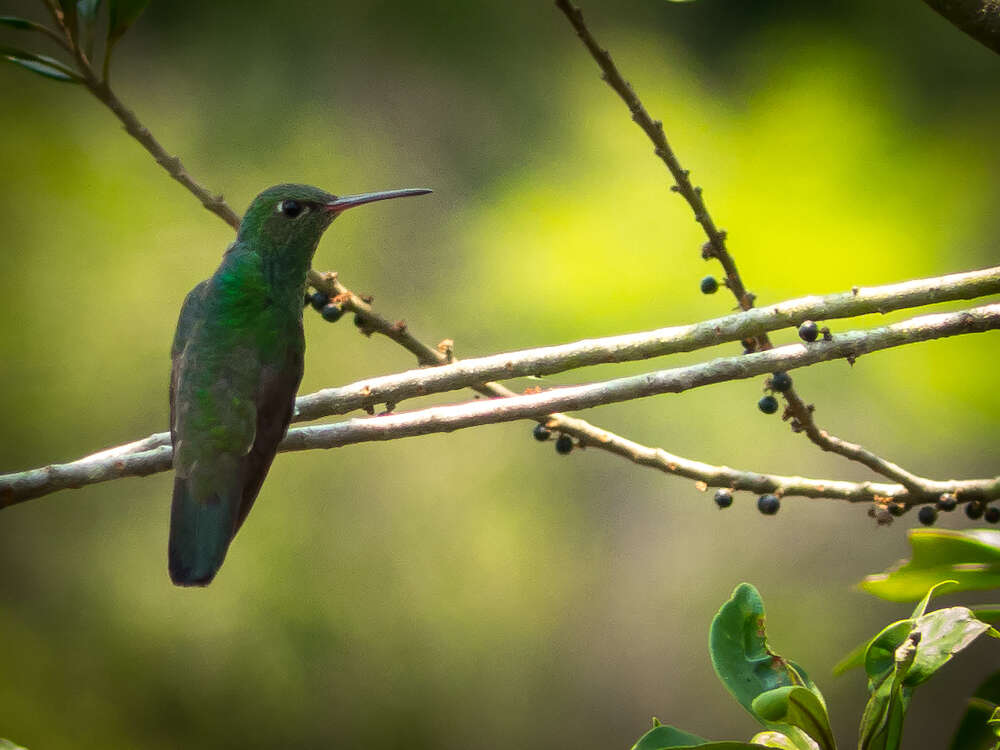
column 345, row 202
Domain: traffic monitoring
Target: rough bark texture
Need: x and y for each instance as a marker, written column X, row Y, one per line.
column 980, row 19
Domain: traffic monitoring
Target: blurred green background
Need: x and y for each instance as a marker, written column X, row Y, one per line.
column 476, row 589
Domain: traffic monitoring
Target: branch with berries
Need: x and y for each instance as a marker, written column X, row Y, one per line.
column 73, row 32
column 799, row 414
column 154, row 454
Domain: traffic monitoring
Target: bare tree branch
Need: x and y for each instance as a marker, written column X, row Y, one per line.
column 980, row 19
column 111, row 464
column 631, row 347
column 393, row 389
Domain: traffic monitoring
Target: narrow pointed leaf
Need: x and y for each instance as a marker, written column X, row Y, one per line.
column 86, row 12
column 799, row 707
column 994, row 722
column 21, row 24
column 41, row 64
column 973, row 732
column 970, row 558
column 122, row 14
column 8, row 745
column 854, row 658
column 921, row 608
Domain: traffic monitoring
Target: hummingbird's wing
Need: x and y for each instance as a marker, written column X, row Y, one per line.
column 191, row 313
column 212, row 427
column 275, row 403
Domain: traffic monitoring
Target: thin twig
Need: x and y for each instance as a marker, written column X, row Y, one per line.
column 980, row 19
column 111, row 464
column 134, row 127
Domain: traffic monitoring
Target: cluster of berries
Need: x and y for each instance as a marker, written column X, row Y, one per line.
column 974, row 509
column 322, row 304
column 564, row 443
column 766, row 504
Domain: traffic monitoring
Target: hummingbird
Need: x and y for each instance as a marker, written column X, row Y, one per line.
column 237, row 363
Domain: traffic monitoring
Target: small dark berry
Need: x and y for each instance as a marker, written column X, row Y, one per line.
column 927, row 515
column 781, row 381
column 542, row 433
column 992, row 514
column 319, row 300
column 709, row 285
column 768, row 404
column 947, row 502
column 331, row 313
column 974, row 511
column 809, row 331
column 897, row 509
column 723, row 498
column 768, row 504
column 564, row 444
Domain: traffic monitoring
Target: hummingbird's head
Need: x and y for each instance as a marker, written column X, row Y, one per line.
column 293, row 217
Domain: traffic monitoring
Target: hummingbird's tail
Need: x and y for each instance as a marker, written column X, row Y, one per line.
column 200, row 533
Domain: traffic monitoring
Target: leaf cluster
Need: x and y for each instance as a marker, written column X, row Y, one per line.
column 77, row 23
column 779, row 694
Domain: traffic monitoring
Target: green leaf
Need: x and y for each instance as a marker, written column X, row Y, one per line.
column 86, row 11
column 799, row 707
column 921, row 608
column 21, row 24
column 990, row 613
column 667, row 736
column 882, row 720
column 41, row 64
column 8, row 745
column 122, row 14
column 880, row 656
column 943, row 633
column 773, row 739
column 970, row 558
column 745, row 664
column 854, row 658
column 974, row 731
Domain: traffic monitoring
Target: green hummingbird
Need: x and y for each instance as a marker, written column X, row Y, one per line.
column 237, row 362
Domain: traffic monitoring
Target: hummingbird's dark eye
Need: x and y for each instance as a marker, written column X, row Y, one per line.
column 290, row 208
